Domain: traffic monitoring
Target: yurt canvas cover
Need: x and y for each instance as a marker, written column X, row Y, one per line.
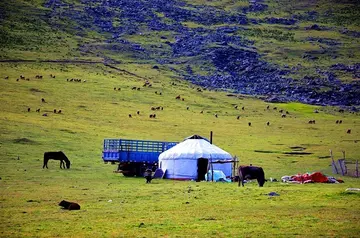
column 190, row 158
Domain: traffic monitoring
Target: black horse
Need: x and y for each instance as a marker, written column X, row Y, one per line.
column 58, row 155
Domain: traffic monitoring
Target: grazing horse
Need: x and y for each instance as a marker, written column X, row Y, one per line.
column 57, row 155
column 251, row 172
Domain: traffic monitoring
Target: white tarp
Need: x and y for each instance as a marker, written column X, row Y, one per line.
column 180, row 162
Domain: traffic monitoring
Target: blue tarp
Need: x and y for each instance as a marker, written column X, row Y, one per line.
column 219, row 176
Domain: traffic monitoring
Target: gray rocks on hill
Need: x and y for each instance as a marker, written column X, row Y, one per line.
column 231, row 62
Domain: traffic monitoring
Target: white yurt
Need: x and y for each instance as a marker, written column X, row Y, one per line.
column 192, row 159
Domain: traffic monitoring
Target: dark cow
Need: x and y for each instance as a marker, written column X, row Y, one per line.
column 69, row 205
column 251, row 172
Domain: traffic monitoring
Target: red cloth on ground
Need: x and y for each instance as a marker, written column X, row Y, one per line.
column 315, row 177
column 318, row 177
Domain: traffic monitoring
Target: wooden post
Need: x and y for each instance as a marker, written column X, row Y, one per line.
column 212, row 172
column 345, row 168
column 340, row 162
column 235, row 165
column 357, row 168
column 333, row 163
column 233, row 169
column 212, row 167
column 207, row 171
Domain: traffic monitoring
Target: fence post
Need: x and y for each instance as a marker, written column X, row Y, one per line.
column 345, row 168
column 333, row 163
column 341, row 162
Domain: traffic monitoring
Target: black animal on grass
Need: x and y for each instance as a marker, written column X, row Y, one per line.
column 251, row 172
column 56, row 155
column 69, row 205
column 148, row 175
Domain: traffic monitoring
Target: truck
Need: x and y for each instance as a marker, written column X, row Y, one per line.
column 134, row 156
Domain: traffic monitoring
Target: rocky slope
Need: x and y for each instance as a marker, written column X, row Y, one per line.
column 229, row 45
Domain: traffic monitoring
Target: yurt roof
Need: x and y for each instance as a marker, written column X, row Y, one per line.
column 195, row 149
column 196, row 137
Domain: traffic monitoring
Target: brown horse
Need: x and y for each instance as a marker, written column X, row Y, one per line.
column 57, row 155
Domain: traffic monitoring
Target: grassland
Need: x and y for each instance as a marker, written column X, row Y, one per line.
column 116, row 206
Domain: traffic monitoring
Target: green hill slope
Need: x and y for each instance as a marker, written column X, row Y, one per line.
column 294, row 51
column 113, row 205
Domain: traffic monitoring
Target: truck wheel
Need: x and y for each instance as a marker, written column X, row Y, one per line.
column 128, row 174
column 127, row 170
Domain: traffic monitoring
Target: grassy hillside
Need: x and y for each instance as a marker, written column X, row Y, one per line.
column 113, row 205
column 297, row 51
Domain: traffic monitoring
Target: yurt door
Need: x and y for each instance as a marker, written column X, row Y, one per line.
column 202, row 168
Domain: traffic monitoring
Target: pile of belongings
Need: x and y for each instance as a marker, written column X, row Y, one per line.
column 315, row 177
column 219, row 176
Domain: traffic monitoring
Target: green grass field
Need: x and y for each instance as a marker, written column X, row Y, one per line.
column 116, row 206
